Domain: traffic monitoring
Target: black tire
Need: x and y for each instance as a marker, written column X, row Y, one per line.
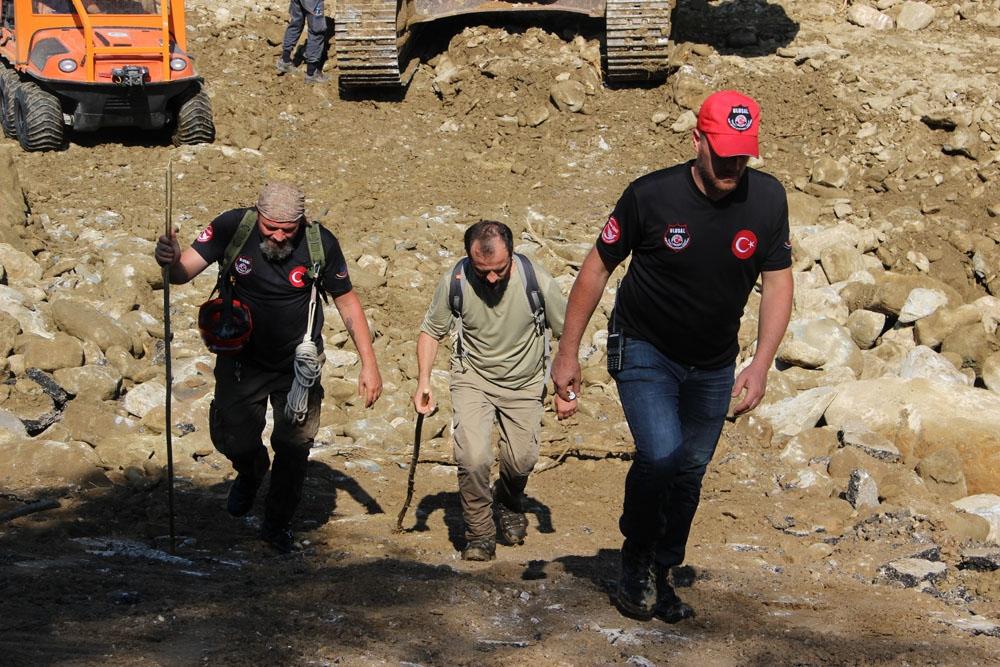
column 39, row 118
column 9, row 83
column 194, row 121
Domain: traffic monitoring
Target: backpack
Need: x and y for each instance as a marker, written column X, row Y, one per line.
column 536, row 300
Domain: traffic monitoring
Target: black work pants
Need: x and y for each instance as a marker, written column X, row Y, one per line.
column 236, row 422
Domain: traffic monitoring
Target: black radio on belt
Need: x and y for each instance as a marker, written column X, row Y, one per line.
column 616, row 341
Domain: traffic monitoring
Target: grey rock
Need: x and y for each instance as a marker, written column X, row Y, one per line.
column 568, row 95
column 983, row 559
column 913, row 571
column 862, row 491
column 865, row 327
column 915, row 16
column 923, row 362
column 869, row 17
column 986, row 505
column 870, row 443
column 827, row 171
column 144, row 397
column 921, row 303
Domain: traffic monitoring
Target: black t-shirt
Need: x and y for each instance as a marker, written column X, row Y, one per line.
column 277, row 292
column 694, row 261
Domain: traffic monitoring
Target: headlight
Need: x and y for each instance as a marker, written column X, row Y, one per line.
column 178, row 64
column 67, row 65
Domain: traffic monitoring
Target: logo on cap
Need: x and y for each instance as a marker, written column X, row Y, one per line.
column 297, row 276
column 744, row 244
column 242, row 265
column 740, row 119
column 612, row 231
column 676, row 237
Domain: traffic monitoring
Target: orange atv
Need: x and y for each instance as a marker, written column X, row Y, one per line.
column 97, row 63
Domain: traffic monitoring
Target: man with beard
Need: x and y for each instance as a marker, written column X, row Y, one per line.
column 498, row 371
column 700, row 234
column 271, row 275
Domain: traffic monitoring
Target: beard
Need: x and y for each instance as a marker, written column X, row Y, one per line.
column 275, row 252
column 492, row 294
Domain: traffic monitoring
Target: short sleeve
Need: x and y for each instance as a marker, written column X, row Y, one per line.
column 438, row 318
column 212, row 241
column 336, row 280
column 779, row 246
column 621, row 232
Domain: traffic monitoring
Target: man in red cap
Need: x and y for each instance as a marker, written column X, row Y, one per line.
column 700, row 235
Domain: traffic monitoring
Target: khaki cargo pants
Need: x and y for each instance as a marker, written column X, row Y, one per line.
column 476, row 405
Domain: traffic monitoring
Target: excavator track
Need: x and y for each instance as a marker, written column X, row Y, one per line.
column 637, row 35
column 368, row 48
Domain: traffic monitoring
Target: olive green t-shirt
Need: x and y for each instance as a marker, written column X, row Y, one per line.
column 501, row 343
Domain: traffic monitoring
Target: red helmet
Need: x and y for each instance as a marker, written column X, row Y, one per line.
column 225, row 325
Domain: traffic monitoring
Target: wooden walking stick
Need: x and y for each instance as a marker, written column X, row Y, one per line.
column 167, row 335
column 413, row 471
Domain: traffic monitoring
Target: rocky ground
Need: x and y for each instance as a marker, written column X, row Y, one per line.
column 853, row 518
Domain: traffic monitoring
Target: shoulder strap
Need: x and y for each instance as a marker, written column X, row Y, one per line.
column 535, row 297
column 317, row 256
column 236, row 244
column 455, row 303
column 455, row 287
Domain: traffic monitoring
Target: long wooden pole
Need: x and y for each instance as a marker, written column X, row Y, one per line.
column 167, row 336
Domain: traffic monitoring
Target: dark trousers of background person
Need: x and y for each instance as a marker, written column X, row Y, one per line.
column 309, row 14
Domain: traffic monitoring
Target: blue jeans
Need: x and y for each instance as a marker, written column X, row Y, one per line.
column 675, row 413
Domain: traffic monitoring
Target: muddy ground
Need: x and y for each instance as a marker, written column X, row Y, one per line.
column 82, row 584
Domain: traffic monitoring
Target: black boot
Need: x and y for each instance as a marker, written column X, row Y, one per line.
column 249, row 475
column 636, row 596
column 669, row 607
column 288, row 475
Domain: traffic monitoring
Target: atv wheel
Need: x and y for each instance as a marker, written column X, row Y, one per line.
column 9, row 83
column 38, row 117
column 194, row 121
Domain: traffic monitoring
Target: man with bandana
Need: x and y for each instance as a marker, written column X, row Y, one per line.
column 700, row 235
column 270, row 275
column 497, row 372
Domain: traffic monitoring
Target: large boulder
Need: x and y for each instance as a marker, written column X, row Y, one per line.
column 36, row 465
column 86, row 322
column 922, row 416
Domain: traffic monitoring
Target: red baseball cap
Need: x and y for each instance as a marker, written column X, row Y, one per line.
column 730, row 120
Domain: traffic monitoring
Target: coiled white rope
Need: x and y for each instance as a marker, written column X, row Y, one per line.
column 307, row 369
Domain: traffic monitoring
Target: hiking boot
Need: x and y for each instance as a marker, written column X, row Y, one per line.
column 636, row 597
column 669, row 608
column 317, row 77
column 481, row 549
column 513, row 526
column 279, row 537
column 242, row 494
column 284, row 66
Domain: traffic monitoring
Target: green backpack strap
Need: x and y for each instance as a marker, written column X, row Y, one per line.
column 317, row 257
column 236, row 244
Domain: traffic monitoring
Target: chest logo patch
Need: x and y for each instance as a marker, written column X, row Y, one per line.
column 297, row 276
column 744, row 244
column 676, row 237
column 740, row 119
column 612, row 231
column 206, row 235
column 243, row 265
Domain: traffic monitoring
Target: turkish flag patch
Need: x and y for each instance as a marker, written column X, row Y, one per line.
column 744, row 244
column 297, row 276
column 612, row 231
